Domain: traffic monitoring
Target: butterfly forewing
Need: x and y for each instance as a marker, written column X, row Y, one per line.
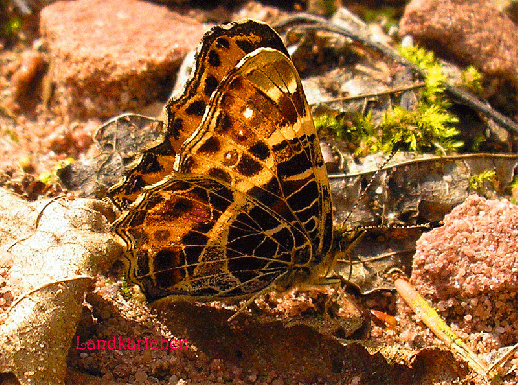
column 221, row 49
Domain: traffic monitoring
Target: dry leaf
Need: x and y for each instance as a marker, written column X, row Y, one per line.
column 57, row 246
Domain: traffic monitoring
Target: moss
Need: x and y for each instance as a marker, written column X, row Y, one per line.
column 125, row 288
column 472, row 80
column 427, row 127
column 514, row 191
column 478, row 182
column 10, row 24
column 329, row 7
column 385, row 15
column 50, row 176
column 477, row 143
column 358, row 131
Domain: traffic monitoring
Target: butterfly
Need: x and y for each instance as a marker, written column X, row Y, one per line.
column 234, row 200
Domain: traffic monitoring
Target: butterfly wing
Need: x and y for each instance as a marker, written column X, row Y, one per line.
column 249, row 204
column 220, row 50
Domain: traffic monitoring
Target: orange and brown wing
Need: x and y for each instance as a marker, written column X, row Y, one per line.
column 249, row 205
column 221, row 49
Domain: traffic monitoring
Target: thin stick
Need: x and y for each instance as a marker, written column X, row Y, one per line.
column 375, row 94
column 431, row 319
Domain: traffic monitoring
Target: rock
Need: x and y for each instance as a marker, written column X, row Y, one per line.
column 108, row 56
column 473, row 253
column 469, row 32
column 468, row 267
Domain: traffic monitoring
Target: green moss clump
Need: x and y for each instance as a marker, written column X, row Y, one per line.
column 125, row 289
column 329, row 7
column 385, row 15
column 49, row 177
column 472, row 79
column 10, row 24
column 358, row 131
column 428, row 127
column 478, row 181
column 514, row 191
column 334, row 124
column 477, row 142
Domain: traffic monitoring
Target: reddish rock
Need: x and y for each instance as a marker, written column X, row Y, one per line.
column 468, row 268
column 469, row 31
column 108, row 55
column 475, row 252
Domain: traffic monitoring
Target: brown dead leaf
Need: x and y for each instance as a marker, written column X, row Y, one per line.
column 57, row 247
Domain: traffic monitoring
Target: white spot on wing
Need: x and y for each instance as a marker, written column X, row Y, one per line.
column 248, row 113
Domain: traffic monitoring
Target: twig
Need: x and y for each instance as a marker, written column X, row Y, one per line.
column 389, row 91
column 431, row 319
